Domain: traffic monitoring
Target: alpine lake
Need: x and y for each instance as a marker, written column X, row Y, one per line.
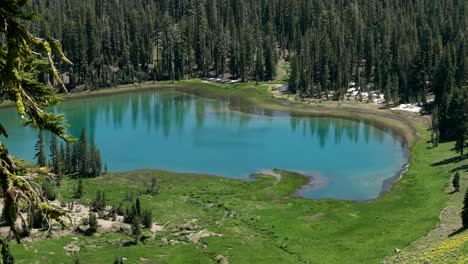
column 175, row 131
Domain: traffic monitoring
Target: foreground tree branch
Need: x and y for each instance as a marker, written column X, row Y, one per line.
column 22, row 57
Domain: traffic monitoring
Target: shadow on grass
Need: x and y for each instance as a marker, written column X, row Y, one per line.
column 456, row 232
column 461, row 168
column 129, row 244
column 447, row 161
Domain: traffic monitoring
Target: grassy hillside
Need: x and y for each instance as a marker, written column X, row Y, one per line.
column 446, row 243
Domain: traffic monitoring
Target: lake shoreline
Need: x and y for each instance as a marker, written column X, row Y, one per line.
column 382, row 119
column 245, row 100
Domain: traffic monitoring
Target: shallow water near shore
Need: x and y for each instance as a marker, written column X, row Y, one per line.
column 173, row 131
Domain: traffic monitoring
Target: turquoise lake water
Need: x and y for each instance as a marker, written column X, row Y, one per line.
column 177, row 132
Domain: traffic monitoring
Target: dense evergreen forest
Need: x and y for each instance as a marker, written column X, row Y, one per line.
column 407, row 49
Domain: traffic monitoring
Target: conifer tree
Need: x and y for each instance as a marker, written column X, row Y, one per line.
column 83, row 154
column 458, row 116
column 464, row 213
column 147, row 218
column 74, row 158
column 136, row 228
column 456, row 182
column 95, row 162
column 79, row 189
column 294, row 75
column 40, row 150
column 93, row 224
column 270, row 59
column 435, row 127
column 54, row 155
column 62, row 159
column 138, row 207
column 68, row 159
column 99, row 203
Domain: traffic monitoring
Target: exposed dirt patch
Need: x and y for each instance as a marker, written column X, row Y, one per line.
column 195, row 237
column 222, row 259
column 316, row 217
column 78, row 214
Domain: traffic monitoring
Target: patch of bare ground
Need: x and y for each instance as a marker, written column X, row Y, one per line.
column 76, row 223
column 315, row 217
